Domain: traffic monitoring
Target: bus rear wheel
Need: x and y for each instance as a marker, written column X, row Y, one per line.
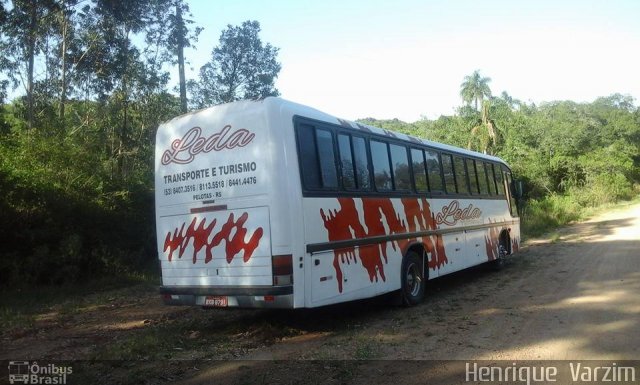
column 498, row 263
column 413, row 284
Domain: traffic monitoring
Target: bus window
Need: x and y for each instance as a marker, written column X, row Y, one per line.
column 381, row 168
column 511, row 193
column 327, row 158
column 482, row 178
column 362, row 163
column 434, row 170
column 309, row 157
column 473, row 178
column 490, row 179
column 499, row 179
column 461, row 175
column 419, row 170
column 400, row 167
column 346, row 162
column 449, row 180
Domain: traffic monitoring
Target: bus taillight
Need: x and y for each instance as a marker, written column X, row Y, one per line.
column 282, row 266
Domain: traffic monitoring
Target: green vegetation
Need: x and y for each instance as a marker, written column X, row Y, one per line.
column 571, row 156
column 76, row 150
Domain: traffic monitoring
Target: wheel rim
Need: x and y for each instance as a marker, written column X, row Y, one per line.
column 414, row 280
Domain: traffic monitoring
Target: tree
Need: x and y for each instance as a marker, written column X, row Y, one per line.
column 179, row 39
column 484, row 130
column 25, row 30
column 4, row 63
column 475, row 88
column 241, row 67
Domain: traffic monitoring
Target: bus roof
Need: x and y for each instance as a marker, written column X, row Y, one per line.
column 296, row 109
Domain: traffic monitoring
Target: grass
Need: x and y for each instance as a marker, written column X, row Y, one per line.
column 540, row 217
column 19, row 307
column 156, row 342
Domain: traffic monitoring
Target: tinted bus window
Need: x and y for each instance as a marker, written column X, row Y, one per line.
column 447, row 168
column 419, row 170
column 511, row 190
column 434, row 170
column 482, row 178
column 499, row 180
column 461, row 175
column 473, row 178
column 346, row 162
column 490, row 179
column 309, row 157
column 326, row 156
column 400, row 167
column 381, row 168
column 362, row 163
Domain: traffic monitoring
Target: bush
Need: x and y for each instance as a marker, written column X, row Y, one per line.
column 603, row 188
column 64, row 220
column 540, row 216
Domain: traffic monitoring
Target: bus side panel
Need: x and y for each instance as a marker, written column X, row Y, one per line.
column 349, row 270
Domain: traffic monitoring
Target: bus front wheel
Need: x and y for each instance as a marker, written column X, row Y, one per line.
column 413, row 283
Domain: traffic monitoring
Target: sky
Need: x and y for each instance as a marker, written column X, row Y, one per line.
column 406, row 59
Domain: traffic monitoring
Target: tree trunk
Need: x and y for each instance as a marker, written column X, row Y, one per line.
column 63, row 88
column 183, row 85
column 31, row 53
column 122, row 137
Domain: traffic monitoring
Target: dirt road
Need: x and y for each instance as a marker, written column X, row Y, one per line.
column 573, row 296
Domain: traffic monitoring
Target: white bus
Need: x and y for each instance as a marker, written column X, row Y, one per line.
column 273, row 204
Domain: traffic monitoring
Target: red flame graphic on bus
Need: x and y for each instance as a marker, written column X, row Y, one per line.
column 200, row 234
column 492, row 243
column 344, row 224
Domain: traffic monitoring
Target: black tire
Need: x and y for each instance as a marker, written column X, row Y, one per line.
column 413, row 283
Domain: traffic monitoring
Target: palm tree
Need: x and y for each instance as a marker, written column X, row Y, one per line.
column 484, row 131
column 475, row 88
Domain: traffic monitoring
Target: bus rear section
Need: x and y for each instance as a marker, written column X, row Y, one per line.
column 213, row 216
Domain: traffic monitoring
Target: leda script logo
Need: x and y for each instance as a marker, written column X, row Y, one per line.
column 451, row 214
column 184, row 150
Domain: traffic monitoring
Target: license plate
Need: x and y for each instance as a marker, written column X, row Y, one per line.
column 216, row 301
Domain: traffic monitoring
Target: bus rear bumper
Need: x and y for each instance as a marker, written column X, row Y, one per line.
column 219, row 297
